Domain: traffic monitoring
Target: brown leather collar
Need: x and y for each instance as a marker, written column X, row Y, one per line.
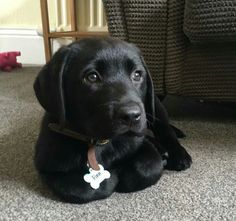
column 91, row 155
column 71, row 133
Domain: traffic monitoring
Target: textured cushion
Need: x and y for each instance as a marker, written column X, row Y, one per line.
column 143, row 23
column 210, row 20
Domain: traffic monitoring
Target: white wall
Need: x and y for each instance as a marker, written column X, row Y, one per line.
column 21, row 29
column 27, row 41
column 24, row 14
column 20, row 24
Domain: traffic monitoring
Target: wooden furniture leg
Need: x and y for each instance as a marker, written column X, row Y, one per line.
column 46, row 29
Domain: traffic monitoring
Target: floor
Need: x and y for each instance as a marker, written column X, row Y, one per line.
column 206, row 191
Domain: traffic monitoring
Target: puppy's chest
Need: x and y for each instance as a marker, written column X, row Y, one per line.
column 116, row 152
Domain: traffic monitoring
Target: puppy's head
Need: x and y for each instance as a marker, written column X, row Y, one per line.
column 101, row 87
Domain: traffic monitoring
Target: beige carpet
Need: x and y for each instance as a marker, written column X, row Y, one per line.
column 204, row 192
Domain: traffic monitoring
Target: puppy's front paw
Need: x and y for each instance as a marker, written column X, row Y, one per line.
column 179, row 160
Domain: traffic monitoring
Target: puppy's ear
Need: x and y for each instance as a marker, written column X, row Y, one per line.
column 150, row 96
column 48, row 85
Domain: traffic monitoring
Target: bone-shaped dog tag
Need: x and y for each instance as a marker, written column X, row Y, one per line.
column 95, row 177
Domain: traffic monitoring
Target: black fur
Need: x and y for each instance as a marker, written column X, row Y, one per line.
column 116, row 107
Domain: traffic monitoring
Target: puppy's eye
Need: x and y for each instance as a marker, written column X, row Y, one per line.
column 136, row 76
column 92, row 77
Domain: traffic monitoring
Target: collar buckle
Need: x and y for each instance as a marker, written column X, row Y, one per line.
column 99, row 142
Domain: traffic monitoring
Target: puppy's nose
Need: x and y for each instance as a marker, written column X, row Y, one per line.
column 130, row 114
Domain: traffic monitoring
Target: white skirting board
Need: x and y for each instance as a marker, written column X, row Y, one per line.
column 29, row 42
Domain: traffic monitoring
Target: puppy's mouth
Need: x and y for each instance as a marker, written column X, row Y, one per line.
column 112, row 134
column 121, row 128
column 136, row 133
column 117, row 129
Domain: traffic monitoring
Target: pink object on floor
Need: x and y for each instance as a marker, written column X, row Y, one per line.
column 8, row 60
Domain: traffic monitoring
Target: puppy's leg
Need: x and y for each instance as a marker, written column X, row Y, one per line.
column 71, row 187
column 179, row 133
column 142, row 170
column 178, row 158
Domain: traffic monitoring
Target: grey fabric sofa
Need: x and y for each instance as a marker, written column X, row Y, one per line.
column 189, row 45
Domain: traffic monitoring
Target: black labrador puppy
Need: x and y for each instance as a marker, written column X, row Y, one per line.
column 99, row 101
